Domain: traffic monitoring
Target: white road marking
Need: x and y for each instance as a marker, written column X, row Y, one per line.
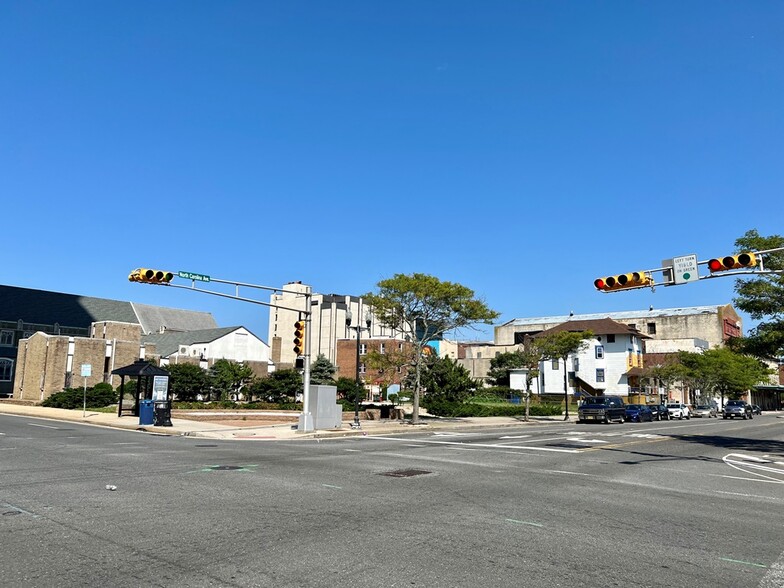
column 43, row 426
column 485, row 445
column 775, row 576
column 514, row 436
column 581, row 440
column 746, row 495
column 565, row 472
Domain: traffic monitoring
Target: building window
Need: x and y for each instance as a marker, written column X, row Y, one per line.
column 599, row 351
column 400, row 347
column 555, row 364
column 651, row 328
column 632, row 326
column 381, row 348
column 363, row 348
column 361, row 368
column 27, row 334
column 6, row 367
column 576, row 364
column 599, row 375
column 6, row 337
column 611, row 338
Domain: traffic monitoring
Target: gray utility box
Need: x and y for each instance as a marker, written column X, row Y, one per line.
column 327, row 413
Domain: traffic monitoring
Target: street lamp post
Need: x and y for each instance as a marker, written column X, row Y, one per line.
column 358, row 329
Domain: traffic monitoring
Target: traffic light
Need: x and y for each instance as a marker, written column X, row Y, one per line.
column 299, row 337
column 150, row 276
column 623, row 282
column 721, row 264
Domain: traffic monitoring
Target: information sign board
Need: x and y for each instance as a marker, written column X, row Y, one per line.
column 192, row 276
column 684, row 269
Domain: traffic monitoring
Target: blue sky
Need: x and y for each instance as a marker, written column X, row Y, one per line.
column 519, row 148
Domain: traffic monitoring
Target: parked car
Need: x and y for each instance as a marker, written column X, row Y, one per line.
column 602, row 408
column 705, row 410
column 638, row 413
column 755, row 409
column 659, row 412
column 678, row 411
column 737, row 408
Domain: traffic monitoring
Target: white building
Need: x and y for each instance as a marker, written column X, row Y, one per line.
column 610, row 362
column 206, row 346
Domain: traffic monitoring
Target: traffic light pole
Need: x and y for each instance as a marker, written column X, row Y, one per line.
column 306, row 418
column 616, row 284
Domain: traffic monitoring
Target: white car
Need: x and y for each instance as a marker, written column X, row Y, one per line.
column 678, row 411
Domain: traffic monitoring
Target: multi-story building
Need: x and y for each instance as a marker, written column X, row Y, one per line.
column 609, row 362
column 328, row 323
column 46, row 336
column 714, row 324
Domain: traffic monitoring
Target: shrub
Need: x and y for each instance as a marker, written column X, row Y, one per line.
column 97, row 397
column 471, row 409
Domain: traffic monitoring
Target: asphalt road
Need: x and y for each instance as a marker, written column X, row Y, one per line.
column 684, row 503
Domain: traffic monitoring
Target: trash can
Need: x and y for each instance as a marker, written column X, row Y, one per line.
column 145, row 412
column 162, row 416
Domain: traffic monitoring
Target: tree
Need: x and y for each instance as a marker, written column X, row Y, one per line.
column 530, row 357
column 762, row 296
column 723, row 370
column 279, row 386
column 446, row 380
column 666, row 373
column 229, row 377
column 390, row 365
column 322, row 371
column 502, row 363
column 187, row 381
column 560, row 345
column 350, row 390
column 424, row 309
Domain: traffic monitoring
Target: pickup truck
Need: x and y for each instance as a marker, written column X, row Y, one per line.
column 603, row 409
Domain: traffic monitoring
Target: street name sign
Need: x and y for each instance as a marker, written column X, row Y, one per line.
column 192, row 276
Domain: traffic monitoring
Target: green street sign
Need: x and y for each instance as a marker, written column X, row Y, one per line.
column 192, row 276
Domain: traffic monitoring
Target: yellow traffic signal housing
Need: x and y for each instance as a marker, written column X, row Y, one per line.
column 150, row 276
column 299, row 337
column 623, row 282
column 730, row 262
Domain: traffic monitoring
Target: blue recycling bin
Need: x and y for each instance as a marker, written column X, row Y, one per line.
column 146, row 412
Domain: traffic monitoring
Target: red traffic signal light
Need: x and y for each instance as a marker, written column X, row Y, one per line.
column 623, row 282
column 150, row 276
column 730, row 262
column 299, row 337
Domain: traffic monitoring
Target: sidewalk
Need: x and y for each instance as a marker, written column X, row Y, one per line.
column 213, row 430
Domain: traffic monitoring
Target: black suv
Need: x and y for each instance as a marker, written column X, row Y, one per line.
column 737, row 408
column 603, row 409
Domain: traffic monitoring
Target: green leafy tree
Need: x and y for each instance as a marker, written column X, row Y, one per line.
column 443, row 379
column 724, row 371
column 530, row 357
column 762, row 296
column 322, row 371
column 349, row 390
column 665, row 373
column 560, row 345
column 502, row 363
column 424, row 308
column 187, row 381
column 279, row 386
column 391, row 365
column 229, row 377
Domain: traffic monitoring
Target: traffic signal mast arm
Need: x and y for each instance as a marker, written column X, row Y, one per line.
column 729, row 265
column 164, row 278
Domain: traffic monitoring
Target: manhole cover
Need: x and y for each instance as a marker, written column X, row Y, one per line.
column 405, row 473
column 225, row 467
